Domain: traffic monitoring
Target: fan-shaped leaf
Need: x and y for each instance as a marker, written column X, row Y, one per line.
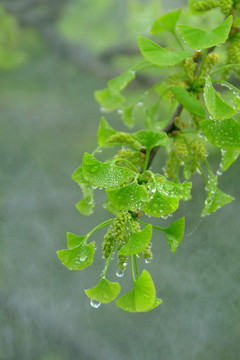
column 77, row 258
column 202, row 39
column 159, row 56
column 188, row 100
column 104, row 292
column 161, row 205
column 224, row 134
column 218, row 108
column 166, row 22
column 104, row 174
column 138, row 242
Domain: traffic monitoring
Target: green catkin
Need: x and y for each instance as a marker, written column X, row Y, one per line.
column 226, row 6
column 206, row 5
column 233, row 51
column 171, row 165
column 211, row 60
column 180, row 148
column 115, row 234
column 190, row 66
column 198, row 150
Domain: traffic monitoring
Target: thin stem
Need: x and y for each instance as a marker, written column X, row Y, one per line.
column 146, row 160
column 202, row 64
column 108, row 261
column 133, row 275
column 208, row 166
column 100, row 226
column 136, row 265
column 154, row 226
column 127, row 162
column 202, row 173
column 228, row 66
column 178, row 40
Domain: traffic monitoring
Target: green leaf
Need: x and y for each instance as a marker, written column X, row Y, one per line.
column 166, row 22
column 218, row 108
column 161, row 205
column 224, row 134
column 188, row 100
column 159, row 56
column 104, row 292
column 77, row 258
column 104, row 131
column 128, row 115
column 130, row 197
column 74, row 240
column 150, row 138
column 124, row 139
column 202, row 39
column 215, row 200
column 142, row 298
column 104, row 174
column 137, row 242
column 108, row 100
column 110, row 207
column 229, row 157
column 169, row 188
column 237, row 103
column 118, row 83
column 87, row 204
column 174, row 233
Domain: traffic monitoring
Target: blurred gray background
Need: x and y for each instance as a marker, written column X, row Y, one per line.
column 48, row 119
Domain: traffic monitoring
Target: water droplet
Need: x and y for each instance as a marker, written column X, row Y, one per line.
column 102, row 109
column 83, row 257
column 219, row 172
column 120, row 111
column 147, row 261
column 95, row 304
column 119, row 273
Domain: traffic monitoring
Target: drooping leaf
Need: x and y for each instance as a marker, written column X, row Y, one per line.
column 218, row 108
column 159, row 56
column 87, row 204
column 104, row 174
column 104, row 131
column 169, row 188
column 215, row 200
column 188, row 100
column 128, row 115
column 166, row 22
column 224, row 134
column 130, row 197
column 110, row 207
column 151, row 138
column 137, row 242
column 74, row 240
column 143, row 296
column 77, row 258
column 108, row 100
column 104, row 292
column 118, row 83
column 174, row 233
column 202, row 39
column 237, row 103
column 161, row 205
column 229, row 157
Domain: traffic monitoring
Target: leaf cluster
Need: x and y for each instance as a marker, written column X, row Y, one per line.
column 198, row 117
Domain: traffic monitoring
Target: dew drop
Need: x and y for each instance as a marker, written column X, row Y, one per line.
column 119, row 273
column 95, row 304
column 102, row 109
column 147, row 261
column 120, row 111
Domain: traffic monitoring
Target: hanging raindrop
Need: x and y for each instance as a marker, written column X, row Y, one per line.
column 119, row 273
column 95, row 304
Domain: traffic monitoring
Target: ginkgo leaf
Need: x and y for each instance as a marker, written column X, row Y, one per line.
column 202, row 39
column 188, row 100
column 218, row 108
column 169, row 188
column 104, row 174
column 149, row 138
column 229, row 157
column 161, row 205
column 77, row 258
column 104, row 292
column 74, row 240
column 166, row 22
column 130, row 197
column 143, row 296
column 159, row 56
column 215, row 200
column 224, row 134
column 137, row 242
column 104, row 131
column 174, row 233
